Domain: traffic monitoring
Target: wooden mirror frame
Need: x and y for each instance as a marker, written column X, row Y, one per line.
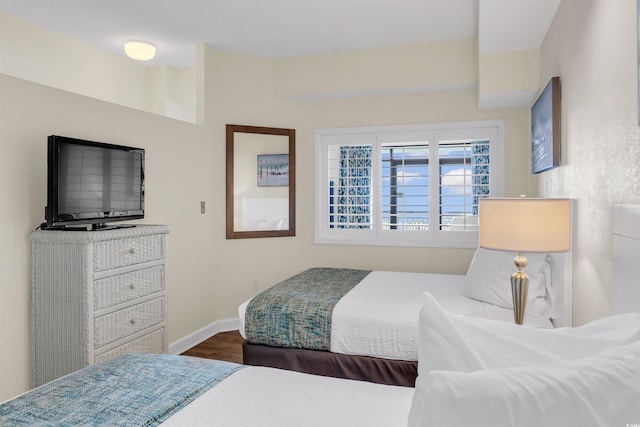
column 230, row 140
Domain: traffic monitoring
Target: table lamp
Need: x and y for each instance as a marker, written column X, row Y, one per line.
column 524, row 225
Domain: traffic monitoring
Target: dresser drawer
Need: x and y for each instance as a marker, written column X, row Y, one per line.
column 126, row 287
column 150, row 343
column 114, row 326
column 116, row 253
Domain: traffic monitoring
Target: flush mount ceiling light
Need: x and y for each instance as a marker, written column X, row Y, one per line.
column 139, row 50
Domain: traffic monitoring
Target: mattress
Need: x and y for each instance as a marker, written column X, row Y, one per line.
column 273, row 397
column 379, row 316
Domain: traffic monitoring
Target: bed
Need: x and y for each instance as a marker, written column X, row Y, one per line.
column 370, row 333
column 472, row 371
column 594, row 383
column 151, row 389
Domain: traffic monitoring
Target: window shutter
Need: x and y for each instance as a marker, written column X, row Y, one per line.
column 405, row 187
column 464, row 180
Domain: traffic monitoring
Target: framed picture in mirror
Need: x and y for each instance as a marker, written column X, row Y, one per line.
column 273, row 170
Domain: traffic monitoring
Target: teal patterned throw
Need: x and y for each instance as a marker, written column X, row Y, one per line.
column 129, row 390
column 296, row 312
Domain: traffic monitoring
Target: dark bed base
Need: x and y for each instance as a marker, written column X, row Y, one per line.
column 325, row 363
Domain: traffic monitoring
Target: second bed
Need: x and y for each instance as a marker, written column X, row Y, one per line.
column 370, row 332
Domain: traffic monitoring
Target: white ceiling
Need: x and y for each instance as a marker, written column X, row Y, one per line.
column 286, row 28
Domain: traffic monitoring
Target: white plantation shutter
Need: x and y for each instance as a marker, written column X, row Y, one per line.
column 413, row 185
column 464, row 179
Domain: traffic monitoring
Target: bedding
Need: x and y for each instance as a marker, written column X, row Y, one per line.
column 338, row 365
column 297, row 312
column 460, row 343
column 267, row 397
column 489, row 280
column 133, row 389
column 167, row 390
column 598, row 390
column 372, row 325
column 486, row 373
column 147, row 389
column 379, row 316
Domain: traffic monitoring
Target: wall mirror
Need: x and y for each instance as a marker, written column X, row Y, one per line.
column 261, row 181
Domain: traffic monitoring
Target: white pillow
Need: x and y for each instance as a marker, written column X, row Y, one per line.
column 599, row 390
column 459, row 343
column 489, row 279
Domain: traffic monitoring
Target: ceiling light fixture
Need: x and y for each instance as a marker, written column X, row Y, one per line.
column 139, row 50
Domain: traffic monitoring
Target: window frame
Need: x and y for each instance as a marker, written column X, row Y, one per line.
column 492, row 130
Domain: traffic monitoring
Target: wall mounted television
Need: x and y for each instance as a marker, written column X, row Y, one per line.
column 92, row 183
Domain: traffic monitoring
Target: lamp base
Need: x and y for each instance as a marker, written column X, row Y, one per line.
column 519, row 288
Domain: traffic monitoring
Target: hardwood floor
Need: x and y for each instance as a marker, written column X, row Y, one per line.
column 222, row 346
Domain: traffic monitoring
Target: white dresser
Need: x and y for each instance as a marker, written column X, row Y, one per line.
column 95, row 295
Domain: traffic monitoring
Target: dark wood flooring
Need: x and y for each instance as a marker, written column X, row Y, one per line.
column 222, row 346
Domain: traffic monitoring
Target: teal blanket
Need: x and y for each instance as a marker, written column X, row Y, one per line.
column 131, row 390
column 297, row 312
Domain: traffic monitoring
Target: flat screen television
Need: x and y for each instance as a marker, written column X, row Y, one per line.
column 92, row 183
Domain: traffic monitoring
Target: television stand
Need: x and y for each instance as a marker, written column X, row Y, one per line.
column 95, row 296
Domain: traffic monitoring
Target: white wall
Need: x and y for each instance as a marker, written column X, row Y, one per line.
column 209, row 275
column 592, row 46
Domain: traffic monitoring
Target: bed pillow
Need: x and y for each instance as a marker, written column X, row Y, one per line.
column 489, row 279
column 454, row 342
column 598, row 390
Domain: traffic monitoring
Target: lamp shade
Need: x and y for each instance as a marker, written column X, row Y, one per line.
column 142, row 51
column 525, row 225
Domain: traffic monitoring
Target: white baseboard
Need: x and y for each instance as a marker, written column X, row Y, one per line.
column 185, row 343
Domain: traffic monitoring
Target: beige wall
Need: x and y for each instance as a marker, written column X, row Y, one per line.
column 179, row 174
column 246, row 99
column 508, row 78
column 379, row 71
column 208, row 275
column 592, row 46
column 38, row 55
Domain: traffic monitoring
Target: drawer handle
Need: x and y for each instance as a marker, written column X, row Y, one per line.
column 131, row 286
column 133, row 321
column 132, row 250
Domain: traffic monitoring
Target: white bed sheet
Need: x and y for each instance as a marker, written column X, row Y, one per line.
column 258, row 396
column 379, row 316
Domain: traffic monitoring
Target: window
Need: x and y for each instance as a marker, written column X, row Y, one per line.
column 414, row 185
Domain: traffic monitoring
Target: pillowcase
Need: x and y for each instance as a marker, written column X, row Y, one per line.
column 454, row 342
column 489, row 279
column 598, row 390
